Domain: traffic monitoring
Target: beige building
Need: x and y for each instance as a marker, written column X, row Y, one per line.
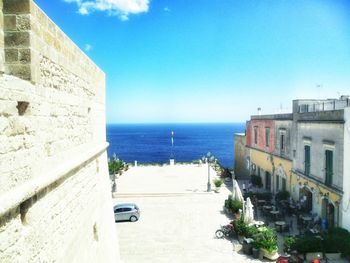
column 241, row 160
column 55, row 199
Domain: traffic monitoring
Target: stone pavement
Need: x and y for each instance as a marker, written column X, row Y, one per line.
column 178, row 217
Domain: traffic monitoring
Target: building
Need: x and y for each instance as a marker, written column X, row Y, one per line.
column 321, row 158
column 307, row 153
column 269, row 144
column 55, row 198
column 241, row 160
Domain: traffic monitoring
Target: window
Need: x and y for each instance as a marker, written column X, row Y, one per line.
column 255, row 135
column 307, row 158
column 284, row 184
column 267, row 137
column 282, row 142
column 277, row 183
column 329, row 167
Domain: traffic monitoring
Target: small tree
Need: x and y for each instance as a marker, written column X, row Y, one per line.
column 115, row 165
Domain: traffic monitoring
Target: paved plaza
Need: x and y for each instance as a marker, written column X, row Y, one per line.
column 178, row 217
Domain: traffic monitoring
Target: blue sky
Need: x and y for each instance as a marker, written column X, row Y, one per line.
column 209, row 60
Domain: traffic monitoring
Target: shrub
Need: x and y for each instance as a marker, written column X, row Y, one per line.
column 218, row 182
column 337, row 240
column 307, row 244
column 256, row 180
column 267, row 239
column 233, row 205
column 282, row 195
column 251, row 231
column 115, row 166
column 289, row 244
column 240, row 227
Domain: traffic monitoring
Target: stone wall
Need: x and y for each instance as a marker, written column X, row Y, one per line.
column 320, row 137
column 241, row 154
column 345, row 204
column 55, row 199
column 2, row 57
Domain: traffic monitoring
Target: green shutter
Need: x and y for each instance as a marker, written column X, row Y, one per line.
column 307, row 159
column 329, row 167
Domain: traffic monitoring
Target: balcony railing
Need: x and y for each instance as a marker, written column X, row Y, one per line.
column 324, row 106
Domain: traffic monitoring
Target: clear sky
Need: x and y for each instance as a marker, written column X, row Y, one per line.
column 210, row 60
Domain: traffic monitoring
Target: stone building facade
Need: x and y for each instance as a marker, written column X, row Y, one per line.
column 268, row 141
column 319, row 165
column 242, row 159
column 55, row 199
column 309, row 155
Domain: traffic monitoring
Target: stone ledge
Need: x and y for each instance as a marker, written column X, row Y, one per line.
column 13, row 199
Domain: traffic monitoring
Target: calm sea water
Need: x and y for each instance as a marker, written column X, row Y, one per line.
column 151, row 143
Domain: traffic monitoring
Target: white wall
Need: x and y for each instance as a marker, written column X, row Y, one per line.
column 345, row 205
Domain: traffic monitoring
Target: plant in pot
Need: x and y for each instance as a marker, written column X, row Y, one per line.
column 289, row 244
column 249, row 233
column 235, row 206
column 218, row 183
column 257, row 244
column 310, row 246
column 336, row 242
column 269, row 244
column 240, row 228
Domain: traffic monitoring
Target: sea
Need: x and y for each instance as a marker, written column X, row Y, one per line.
column 154, row 143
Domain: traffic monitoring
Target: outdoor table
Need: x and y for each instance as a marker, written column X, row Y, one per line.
column 280, row 224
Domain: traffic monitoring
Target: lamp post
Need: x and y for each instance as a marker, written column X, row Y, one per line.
column 209, row 159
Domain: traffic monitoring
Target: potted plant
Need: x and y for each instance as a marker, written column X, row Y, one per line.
column 336, row 242
column 289, row 244
column 310, row 246
column 240, row 229
column 269, row 244
column 256, row 246
column 218, row 183
column 235, row 206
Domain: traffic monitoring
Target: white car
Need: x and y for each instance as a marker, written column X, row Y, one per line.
column 126, row 211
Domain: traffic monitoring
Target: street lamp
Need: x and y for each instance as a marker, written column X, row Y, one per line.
column 209, row 159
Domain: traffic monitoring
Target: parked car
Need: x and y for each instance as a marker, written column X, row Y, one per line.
column 126, row 211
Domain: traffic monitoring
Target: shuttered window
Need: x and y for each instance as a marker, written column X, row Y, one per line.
column 307, row 149
column 329, row 167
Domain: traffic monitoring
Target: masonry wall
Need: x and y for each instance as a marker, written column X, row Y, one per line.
column 321, row 136
column 55, row 199
column 241, row 155
column 345, row 204
column 261, row 142
column 2, row 57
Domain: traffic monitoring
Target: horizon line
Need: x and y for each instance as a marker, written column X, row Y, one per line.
column 152, row 123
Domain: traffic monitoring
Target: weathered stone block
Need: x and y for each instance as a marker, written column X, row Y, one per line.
column 11, row 55
column 17, row 39
column 23, row 22
column 16, row 6
column 22, row 71
column 24, row 55
column 10, row 22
